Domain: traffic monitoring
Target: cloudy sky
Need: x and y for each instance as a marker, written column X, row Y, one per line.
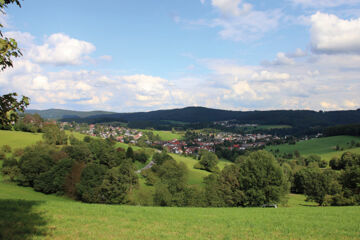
column 141, row 55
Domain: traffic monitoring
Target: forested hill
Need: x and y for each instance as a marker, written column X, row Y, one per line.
column 295, row 118
column 61, row 113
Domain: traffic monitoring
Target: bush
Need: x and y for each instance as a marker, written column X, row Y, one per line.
column 257, row 180
column 36, row 160
column 18, row 152
column 92, row 176
column 53, row 181
column 6, row 148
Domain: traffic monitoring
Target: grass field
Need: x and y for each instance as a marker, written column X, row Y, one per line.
column 165, row 135
column 325, row 147
column 25, row 214
column 18, row 139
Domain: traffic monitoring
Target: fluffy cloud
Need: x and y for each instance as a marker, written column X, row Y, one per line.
column 60, row 49
column 330, row 34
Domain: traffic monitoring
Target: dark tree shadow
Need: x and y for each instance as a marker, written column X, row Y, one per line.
column 18, row 220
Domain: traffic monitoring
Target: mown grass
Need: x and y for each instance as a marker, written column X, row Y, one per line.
column 165, row 135
column 323, row 146
column 18, row 139
column 51, row 217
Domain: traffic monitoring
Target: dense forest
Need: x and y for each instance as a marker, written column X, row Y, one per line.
column 202, row 116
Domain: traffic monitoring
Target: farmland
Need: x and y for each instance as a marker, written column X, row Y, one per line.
column 326, row 147
column 165, row 135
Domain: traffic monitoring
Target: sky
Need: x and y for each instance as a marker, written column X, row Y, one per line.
column 143, row 55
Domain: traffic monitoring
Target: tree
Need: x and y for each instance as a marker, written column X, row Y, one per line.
column 88, row 188
column 35, row 161
column 318, row 185
column 53, row 135
column 9, row 104
column 256, row 180
column 208, row 162
column 9, row 108
column 130, row 153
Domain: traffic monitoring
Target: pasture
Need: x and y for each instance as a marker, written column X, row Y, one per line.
column 18, row 139
column 325, row 146
column 26, row 214
column 165, row 135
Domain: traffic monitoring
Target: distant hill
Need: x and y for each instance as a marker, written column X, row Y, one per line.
column 61, row 113
column 202, row 115
column 295, row 118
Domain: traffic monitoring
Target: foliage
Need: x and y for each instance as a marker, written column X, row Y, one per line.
column 256, row 180
column 29, row 123
column 140, row 156
column 130, row 153
column 10, row 106
column 208, row 162
column 53, row 181
column 35, row 161
column 6, row 148
column 117, row 183
column 318, row 184
column 53, row 135
column 160, row 158
column 91, row 179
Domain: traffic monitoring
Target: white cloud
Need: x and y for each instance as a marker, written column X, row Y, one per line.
column 324, row 3
column 231, row 7
column 60, row 49
column 105, row 58
column 330, row 34
column 24, row 39
column 250, row 25
column 286, row 58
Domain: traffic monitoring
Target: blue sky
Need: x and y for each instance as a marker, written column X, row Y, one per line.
column 156, row 54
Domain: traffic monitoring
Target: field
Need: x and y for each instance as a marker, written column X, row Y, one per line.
column 25, row 214
column 249, row 129
column 326, row 147
column 18, row 139
column 165, row 135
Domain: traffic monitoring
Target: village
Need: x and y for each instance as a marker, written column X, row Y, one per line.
column 189, row 144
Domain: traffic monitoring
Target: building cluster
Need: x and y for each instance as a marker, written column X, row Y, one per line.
column 233, row 141
column 200, row 142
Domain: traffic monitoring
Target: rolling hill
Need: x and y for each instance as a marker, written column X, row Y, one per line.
column 294, row 118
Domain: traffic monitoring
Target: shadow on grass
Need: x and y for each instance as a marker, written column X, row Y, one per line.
column 18, row 220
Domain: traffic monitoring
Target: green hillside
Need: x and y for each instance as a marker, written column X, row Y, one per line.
column 165, row 135
column 18, row 139
column 323, row 146
column 25, row 214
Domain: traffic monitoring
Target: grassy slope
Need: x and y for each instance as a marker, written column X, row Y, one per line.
column 322, row 146
column 28, row 214
column 165, row 135
column 18, row 139
column 54, row 217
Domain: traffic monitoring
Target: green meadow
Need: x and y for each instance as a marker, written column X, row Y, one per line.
column 165, row 135
column 326, row 147
column 18, row 139
column 26, row 214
